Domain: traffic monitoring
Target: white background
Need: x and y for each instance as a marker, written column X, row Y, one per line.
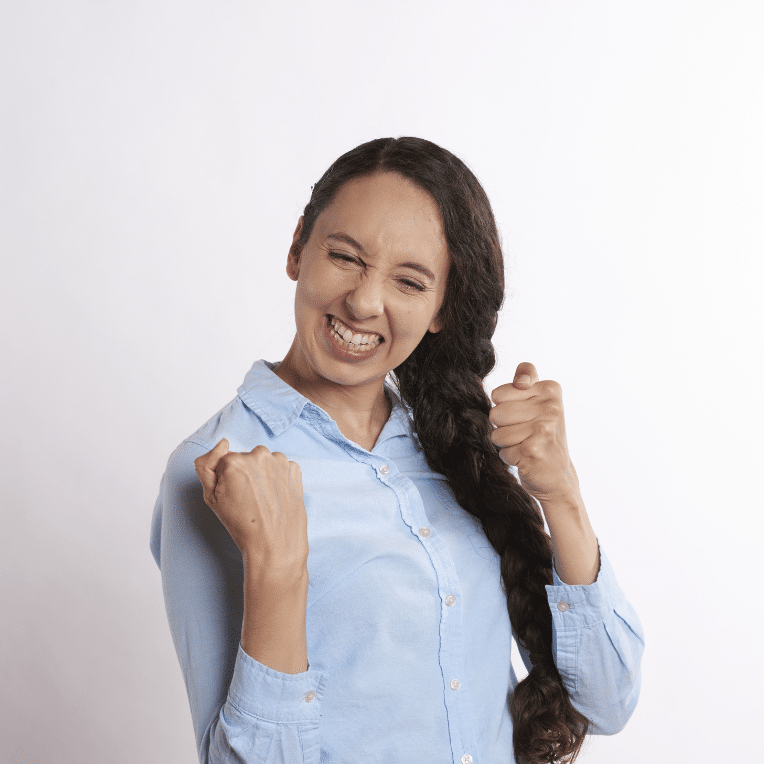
column 155, row 158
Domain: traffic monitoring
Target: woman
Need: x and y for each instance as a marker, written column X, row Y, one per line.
column 338, row 585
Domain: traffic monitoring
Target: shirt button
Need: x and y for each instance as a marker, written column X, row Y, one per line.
column 450, row 600
column 466, row 759
column 562, row 606
column 384, row 469
column 455, row 684
column 425, row 532
column 310, row 696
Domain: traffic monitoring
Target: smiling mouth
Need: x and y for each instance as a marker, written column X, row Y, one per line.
column 374, row 338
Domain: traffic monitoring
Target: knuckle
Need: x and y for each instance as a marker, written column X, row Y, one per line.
column 547, row 427
column 231, row 461
column 534, row 450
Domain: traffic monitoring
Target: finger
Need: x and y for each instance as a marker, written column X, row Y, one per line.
column 205, row 464
column 511, row 455
column 514, row 435
column 513, row 412
column 510, row 392
column 525, row 376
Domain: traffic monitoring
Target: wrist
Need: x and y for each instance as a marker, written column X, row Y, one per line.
column 274, row 574
column 574, row 542
column 570, row 503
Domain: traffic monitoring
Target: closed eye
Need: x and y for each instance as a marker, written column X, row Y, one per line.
column 407, row 282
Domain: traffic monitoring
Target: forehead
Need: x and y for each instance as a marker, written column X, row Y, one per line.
column 390, row 216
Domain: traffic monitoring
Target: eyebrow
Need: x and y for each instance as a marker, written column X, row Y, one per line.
column 424, row 270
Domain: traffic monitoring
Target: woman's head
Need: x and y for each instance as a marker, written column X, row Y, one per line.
column 403, row 200
column 376, row 261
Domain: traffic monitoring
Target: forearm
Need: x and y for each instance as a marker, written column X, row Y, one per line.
column 576, row 552
column 273, row 628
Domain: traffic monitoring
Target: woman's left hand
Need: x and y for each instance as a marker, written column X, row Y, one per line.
column 530, row 429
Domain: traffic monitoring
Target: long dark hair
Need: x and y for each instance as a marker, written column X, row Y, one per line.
column 442, row 383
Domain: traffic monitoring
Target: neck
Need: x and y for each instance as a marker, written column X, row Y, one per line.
column 361, row 409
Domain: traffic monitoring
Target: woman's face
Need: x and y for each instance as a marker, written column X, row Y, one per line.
column 377, row 285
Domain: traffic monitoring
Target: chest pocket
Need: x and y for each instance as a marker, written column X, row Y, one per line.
column 467, row 524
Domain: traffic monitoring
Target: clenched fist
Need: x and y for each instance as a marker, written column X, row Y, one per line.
column 257, row 495
column 530, row 427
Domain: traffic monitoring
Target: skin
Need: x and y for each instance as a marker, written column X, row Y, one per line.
column 395, row 222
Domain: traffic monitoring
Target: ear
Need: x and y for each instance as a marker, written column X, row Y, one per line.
column 436, row 325
column 293, row 258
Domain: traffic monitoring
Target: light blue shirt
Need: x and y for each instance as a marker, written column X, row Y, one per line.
column 409, row 640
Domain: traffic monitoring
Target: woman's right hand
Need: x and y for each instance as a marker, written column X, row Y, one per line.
column 257, row 495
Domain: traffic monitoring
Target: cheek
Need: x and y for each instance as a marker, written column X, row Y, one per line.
column 410, row 326
column 317, row 290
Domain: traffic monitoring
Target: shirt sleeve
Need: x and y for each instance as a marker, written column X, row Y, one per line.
column 243, row 712
column 598, row 643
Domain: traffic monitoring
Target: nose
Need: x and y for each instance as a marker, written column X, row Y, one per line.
column 365, row 300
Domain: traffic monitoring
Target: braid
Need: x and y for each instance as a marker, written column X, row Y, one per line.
column 442, row 382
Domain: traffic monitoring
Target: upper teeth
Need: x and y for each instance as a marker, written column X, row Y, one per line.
column 348, row 336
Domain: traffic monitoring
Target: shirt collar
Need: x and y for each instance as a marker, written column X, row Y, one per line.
column 279, row 405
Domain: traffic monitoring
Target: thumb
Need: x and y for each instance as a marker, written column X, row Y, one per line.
column 522, row 379
column 205, row 465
